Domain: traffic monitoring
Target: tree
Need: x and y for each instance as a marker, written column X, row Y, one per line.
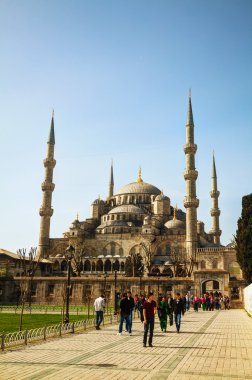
column 134, row 265
column 29, row 264
column 77, row 260
column 243, row 239
column 148, row 253
column 181, row 263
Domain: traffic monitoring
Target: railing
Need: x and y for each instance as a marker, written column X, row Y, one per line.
column 27, row 336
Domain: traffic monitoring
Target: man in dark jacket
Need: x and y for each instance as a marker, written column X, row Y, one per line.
column 125, row 307
column 178, row 306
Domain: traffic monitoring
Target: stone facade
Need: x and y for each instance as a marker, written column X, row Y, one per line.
column 139, row 218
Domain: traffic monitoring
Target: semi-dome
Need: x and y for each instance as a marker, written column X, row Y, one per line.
column 129, row 209
column 139, row 188
column 161, row 197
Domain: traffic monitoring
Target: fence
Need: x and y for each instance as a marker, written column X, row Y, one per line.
column 248, row 299
column 26, row 336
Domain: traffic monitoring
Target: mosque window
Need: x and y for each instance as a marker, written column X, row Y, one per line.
column 140, row 198
column 167, row 250
column 112, row 217
column 215, row 264
column 108, row 217
column 159, row 251
column 203, row 264
column 112, row 249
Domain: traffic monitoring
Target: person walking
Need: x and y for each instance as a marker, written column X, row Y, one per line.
column 132, row 306
column 149, row 311
column 125, row 308
column 170, row 302
column 99, row 305
column 203, row 302
column 140, row 307
column 178, row 309
column 163, row 311
column 196, row 303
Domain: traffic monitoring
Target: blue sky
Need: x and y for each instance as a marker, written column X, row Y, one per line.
column 117, row 74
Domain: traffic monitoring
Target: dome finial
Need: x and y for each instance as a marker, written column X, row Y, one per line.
column 77, row 216
column 139, row 179
column 175, row 212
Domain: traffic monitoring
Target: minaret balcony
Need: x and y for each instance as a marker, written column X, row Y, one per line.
column 215, row 212
column 191, row 174
column 191, row 202
column 47, row 186
column 45, row 211
column 215, row 232
column 190, row 148
column 49, row 163
column 214, row 194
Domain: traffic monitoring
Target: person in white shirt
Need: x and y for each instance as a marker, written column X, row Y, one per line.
column 99, row 305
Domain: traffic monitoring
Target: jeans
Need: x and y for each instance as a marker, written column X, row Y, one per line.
column 99, row 318
column 177, row 318
column 130, row 322
column 124, row 318
column 148, row 326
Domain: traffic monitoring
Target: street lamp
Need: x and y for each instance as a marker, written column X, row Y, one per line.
column 105, row 283
column 115, row 285
column 68, row 255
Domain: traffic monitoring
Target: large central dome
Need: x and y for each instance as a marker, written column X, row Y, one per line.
column 139, row 188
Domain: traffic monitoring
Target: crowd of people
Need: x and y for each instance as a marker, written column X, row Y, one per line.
column 169, row 310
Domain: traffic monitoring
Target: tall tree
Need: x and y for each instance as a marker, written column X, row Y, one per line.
column 134, row 265
column 243, row 239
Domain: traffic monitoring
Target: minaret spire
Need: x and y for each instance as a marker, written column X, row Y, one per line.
column 111, row 181
column 215, row 211
column 190, row 175
column 47, row 186
column 139, row 179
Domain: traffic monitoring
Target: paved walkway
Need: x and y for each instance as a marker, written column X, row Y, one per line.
column 211, row 345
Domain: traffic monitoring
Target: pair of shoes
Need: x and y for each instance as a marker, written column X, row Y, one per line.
column 144, row 345
column 97, row 327
column 119, row 333
column 150, row 345
column 178, row 331
column 130, row 333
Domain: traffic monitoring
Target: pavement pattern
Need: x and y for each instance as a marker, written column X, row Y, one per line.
column 211, row 345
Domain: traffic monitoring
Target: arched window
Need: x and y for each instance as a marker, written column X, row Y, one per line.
column 168, row 272
column 63, row 266
column 122, row 267
column 107, row 266
column 116, row 265
column 112, row 249
column 87, row 266
column 120, row 251
column 203, row 264
column 93, row 266
column 159, row 251
column 215, row 264
column 99, row 266
column 167, row 250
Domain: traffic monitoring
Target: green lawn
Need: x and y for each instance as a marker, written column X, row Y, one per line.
column 10, row 322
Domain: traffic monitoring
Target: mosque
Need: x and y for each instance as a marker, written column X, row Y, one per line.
column 140, row 219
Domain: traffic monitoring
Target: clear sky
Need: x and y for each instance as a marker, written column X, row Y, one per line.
column 117, row 74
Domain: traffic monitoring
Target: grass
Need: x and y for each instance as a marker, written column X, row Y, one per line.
column 9, row 322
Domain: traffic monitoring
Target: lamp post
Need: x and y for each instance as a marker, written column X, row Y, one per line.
column 115, row 284
column 105, row 283
column 158, row 285
column 68, row 255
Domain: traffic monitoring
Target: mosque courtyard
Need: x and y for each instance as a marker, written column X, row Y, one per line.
column 211, row 345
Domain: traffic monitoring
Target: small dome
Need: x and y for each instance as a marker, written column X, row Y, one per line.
column 129, row 209
column 176, row 224
column 161, row 197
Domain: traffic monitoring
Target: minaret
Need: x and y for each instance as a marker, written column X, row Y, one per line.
column 215, row 212
column 47, row 186
column 111, row 182
column 190, row 175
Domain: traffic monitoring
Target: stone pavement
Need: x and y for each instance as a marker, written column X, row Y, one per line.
column 211, row 345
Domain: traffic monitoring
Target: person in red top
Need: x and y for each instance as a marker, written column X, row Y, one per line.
column 149, row 311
